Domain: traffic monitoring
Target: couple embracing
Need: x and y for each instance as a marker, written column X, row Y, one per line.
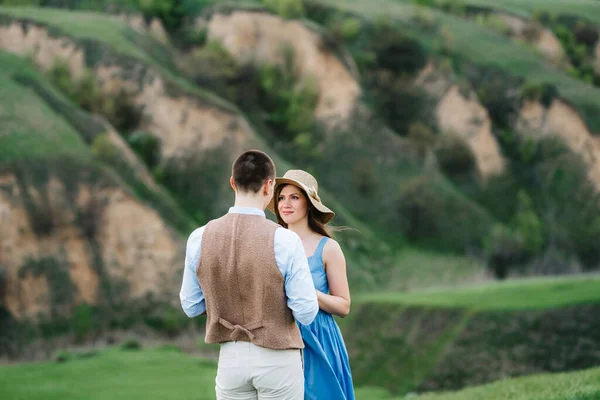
column 270, row 290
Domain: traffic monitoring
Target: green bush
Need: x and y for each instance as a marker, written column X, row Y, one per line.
column 388, row 60
column 430, row 213
column 289, row 101
column 63, row 356
column 167, row 320
column 504, row 250
column 559, row 192
column 83, row 321
column 455, row 157
column 397, row 52
column 104, row 149
column 491, row 86
column 345, row 29
column 542, row 92
column 62, row 289
column 198, row 182
column 424, row 18
column 146, row 146
column 586, row 33
column 423, row 137
column 511, row 247
column 400, row 103
column 528, row 225
column 457, row 7
column 131, row 344
column 286, row 8
column 494, row 23
column 119, row 109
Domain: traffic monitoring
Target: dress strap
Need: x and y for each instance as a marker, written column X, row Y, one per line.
column 319, row 250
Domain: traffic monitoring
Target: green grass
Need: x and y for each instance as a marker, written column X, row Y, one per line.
column 82, row 24
column 416, row 269
column 28, row 126
column 538, row 293
column 477, row 45
column 114, row 374
column 586, row 9
column 168, row 374
column 579, row 385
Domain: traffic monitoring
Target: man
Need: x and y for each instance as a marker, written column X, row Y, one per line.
column 252, row 279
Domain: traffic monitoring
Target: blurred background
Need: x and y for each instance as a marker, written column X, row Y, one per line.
column 458, row 139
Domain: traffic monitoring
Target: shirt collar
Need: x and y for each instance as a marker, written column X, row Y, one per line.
column 246, row 210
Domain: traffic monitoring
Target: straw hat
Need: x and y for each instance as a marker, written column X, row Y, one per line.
column 308, row 183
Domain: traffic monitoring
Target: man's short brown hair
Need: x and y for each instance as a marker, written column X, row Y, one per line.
column 251, row 170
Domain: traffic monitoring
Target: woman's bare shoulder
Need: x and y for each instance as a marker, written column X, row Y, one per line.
column 332, row 248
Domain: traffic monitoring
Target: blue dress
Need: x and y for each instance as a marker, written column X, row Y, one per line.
column 326, row 367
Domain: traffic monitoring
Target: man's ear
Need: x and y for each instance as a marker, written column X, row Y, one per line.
column 232, row 183
column 267, row 187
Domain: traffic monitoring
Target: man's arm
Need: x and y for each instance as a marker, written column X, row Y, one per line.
column 191, row 296
column 299, row 286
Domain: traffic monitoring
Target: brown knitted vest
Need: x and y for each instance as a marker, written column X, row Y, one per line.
column 243, row 288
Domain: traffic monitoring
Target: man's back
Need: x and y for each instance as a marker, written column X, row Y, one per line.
column 291, row 263
column 243, row 286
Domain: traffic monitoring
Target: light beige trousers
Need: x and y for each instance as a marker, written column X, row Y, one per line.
column 250, row 372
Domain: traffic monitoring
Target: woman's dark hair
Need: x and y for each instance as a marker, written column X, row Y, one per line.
column 313, row 223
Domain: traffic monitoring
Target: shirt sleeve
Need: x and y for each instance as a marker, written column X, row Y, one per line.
column 191, row 296
column 299, row 286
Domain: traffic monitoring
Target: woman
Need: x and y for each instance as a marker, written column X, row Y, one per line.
column 297, row 205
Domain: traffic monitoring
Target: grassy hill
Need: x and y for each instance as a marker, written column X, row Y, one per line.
column 525, row 294
column 580, row 385
column 446, row 340
column 118, row 37
column 471, row 43
column 30, row 126
column 586, row 9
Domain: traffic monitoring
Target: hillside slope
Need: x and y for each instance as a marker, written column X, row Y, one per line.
column 447, row 340
column 74, row 228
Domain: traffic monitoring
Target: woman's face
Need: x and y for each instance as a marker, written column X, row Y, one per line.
column 292, row 205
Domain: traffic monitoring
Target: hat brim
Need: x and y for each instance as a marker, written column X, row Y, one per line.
column 325, row 214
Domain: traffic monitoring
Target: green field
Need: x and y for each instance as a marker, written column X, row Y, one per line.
column 491, row 49
column 114, row 374
column 525, row 294
column 168, row 374
column 586, row 9
column 415, row 269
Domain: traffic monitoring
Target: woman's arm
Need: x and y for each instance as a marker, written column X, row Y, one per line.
column 338, row 301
